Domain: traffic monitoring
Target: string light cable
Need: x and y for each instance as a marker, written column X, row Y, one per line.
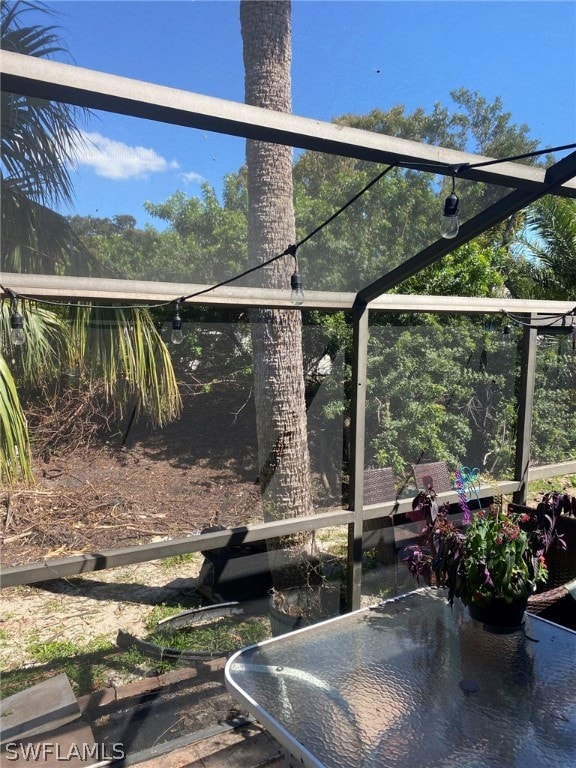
column 557, row 325
column 291, row 250
column 545, row 327
column 457, row 168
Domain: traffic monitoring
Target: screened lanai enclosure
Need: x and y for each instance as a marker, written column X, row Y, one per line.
column 400, row 369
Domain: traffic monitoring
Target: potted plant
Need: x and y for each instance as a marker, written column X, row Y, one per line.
column 493, row 563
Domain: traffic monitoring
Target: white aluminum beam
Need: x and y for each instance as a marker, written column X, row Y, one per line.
column 62, row 288
column 42, row 78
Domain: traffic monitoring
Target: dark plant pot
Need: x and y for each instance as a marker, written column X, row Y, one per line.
column 499, row 614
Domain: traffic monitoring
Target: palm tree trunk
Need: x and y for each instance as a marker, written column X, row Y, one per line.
column 276, row 334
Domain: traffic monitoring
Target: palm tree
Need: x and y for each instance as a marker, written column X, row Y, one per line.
column 550, row 245
column 120, row 347
column 283, row 454
column 38, row 138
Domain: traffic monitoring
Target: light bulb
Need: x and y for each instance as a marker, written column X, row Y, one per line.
column 297, row 294
column 509, row 335
column 450, row 222
column 177, row 336
column 17, row 335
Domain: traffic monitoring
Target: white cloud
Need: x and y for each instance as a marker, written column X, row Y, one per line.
column 116, row 160
column 192, row 178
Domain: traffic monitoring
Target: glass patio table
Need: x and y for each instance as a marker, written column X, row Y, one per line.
column 413, row 682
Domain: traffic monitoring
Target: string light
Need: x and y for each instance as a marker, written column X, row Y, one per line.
column 17, row 334
column 177, row 336
column 296, row 294
column 450, row 221
column 451, row 206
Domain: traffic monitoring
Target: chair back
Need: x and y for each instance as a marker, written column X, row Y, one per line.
column 552, row 600
column 434, row 474
column 379, row 485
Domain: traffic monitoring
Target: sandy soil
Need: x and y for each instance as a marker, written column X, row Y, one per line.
column 89, row 607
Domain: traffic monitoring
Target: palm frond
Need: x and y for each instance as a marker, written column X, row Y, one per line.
column 550, row 245
column 46, row 345
column 39, row 137
column 36, row 239
column 122, row 348
column 15, row 457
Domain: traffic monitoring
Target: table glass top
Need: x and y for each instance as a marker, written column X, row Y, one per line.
column 415, row 682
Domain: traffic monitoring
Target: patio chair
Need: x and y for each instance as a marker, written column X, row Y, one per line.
column 556, row 600
column 379, row 486
column 432, row 475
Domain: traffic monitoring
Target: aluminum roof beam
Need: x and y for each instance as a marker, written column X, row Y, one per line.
column 42, row 78
column 115, row 291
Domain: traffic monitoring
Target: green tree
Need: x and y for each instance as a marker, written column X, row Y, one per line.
column 474, row 269
column 439, row 390
column 124, row 251
column 400, row 214
column 208, row 239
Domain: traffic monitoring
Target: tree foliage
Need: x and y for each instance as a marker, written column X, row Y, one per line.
column 547, row 264
column 437, row 389
column 38, row 142
column 38, row 138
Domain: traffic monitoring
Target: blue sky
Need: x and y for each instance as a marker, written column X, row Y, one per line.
column 348, row 57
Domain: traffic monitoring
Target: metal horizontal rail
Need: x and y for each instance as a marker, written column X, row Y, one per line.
column 552, row 470
column 401, row 506
column 78, row 564
column 87, row 563
column 141, row 291
column 42, row 78
column 98, row 561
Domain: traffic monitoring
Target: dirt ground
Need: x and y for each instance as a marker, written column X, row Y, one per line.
column 88, row 608
column 110, row 499
column 167, row 483
column 138, row 487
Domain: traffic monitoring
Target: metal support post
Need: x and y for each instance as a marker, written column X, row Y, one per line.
column 525, row 406
column 356, row 458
